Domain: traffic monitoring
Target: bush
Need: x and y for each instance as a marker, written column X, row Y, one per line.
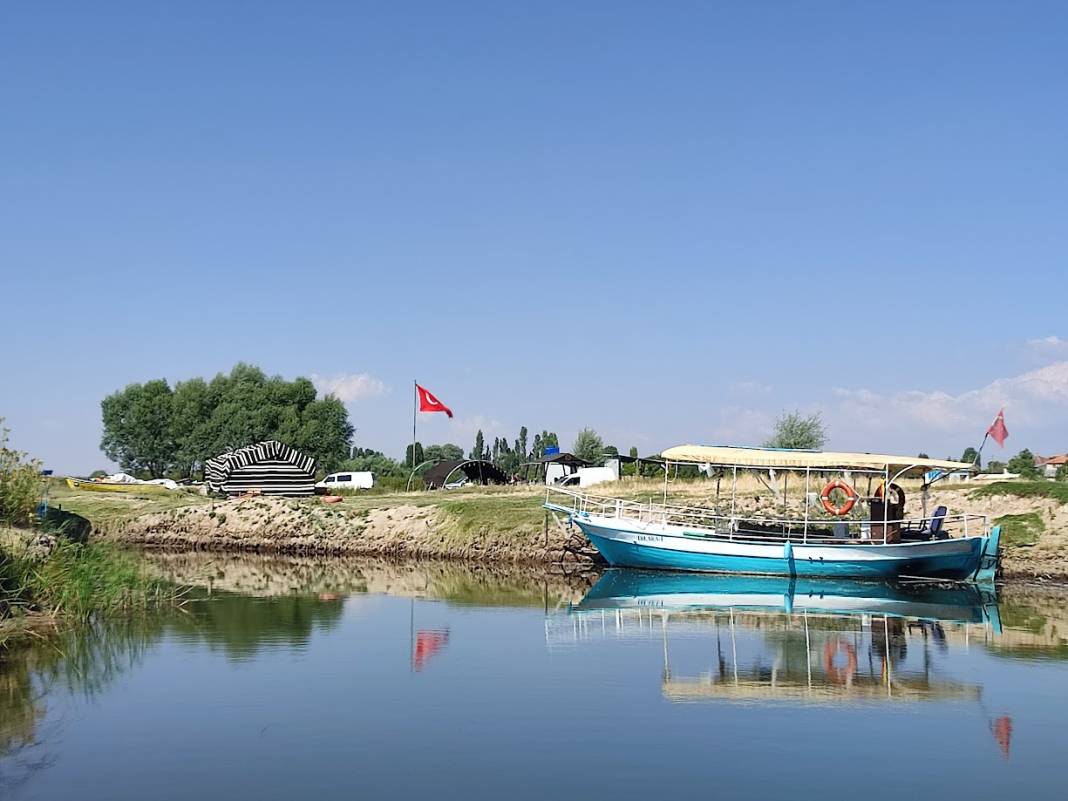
column 795, row 432
column 1023, row 464
column 1024, row 489
column 20, row 484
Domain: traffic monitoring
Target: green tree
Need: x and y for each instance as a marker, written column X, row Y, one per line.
column 419, row 458
column 366, row 460
column 138, row 428
column 522, row 446
column 324, row 432
column 479, row 451
column 1024, row 464
column 1062, row 472
column 588, row 446
column 796, row 431
column 443, row 453
column 971, row 456
column 152, row 429
column 994, row 466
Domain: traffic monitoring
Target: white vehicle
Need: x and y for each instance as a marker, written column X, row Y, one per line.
column 587, row 477
column 348, row 480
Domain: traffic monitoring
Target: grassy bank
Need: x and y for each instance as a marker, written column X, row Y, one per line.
column 67, row 582
column 508, row 524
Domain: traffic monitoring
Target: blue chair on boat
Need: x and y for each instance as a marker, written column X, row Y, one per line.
column 934, row 525
column 930, row 529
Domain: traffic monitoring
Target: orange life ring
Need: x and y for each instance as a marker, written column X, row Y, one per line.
column 835, row 674
column 332, row 499
column 825, row 497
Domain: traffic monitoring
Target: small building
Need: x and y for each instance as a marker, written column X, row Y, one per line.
column 1049, row 465
column 469, row 471
column 266, row 468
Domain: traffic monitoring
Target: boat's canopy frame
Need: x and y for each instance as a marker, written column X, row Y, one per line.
column 801, row 460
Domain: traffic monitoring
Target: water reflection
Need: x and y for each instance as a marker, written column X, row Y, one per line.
column 819, row 642
column 276, row 575
column 353, row 665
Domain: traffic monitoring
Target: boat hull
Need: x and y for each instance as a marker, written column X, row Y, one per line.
column 104, row 486
column 668, row 548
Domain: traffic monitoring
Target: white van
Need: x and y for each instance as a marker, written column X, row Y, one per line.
column 348, row 480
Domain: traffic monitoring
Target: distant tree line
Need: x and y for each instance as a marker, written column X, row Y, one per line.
column 155, row 430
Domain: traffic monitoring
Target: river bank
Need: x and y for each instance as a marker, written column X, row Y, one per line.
column 503, row 525
column 48, row 582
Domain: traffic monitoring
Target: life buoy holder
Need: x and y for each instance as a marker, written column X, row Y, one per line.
column 830, row 506
column 835, row 674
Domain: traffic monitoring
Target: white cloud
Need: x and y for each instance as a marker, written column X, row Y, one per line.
column 349, row 387
column 1031, row 397
column 741, row 425
column 749, row 388
column 1049, row 344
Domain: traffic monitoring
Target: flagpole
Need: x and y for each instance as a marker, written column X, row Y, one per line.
column 415, row 416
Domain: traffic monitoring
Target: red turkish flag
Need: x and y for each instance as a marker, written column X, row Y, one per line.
column 428, row 403
column 997, row 430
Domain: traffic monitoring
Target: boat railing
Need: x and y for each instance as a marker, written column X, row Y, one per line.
column 754, row 527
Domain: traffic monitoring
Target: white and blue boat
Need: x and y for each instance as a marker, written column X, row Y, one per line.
column 840, row 532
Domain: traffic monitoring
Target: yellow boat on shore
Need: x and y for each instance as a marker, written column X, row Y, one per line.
column 113, row 486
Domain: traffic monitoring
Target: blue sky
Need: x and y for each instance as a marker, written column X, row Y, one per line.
column 667, row 221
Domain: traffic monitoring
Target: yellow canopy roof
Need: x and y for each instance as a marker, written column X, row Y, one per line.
column 800, row 460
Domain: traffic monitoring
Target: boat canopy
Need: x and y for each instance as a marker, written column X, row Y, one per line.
column 782, row 458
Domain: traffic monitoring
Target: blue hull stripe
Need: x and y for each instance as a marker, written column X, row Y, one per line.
column 628, row 554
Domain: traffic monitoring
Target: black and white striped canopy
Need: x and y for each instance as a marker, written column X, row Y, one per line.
column 270, row 468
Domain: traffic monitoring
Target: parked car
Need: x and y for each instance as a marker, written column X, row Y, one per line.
column 348, row 480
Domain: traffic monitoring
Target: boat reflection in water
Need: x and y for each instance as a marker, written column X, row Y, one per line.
column 781, row 639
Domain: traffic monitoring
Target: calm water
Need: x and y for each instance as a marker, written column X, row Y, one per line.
column 342, row 680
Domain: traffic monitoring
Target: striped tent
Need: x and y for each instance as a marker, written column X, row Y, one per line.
column 270, row 468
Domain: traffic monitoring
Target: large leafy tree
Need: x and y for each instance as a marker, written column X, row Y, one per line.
column 153, row 429
column 139, row 429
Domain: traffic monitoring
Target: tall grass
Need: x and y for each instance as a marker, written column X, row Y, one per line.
column 77, row 581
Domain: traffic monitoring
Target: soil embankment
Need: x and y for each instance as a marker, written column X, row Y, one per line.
column 500, row 528
column 508, row 525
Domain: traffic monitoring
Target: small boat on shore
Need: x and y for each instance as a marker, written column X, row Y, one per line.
column 115, row 486
column 838, row 532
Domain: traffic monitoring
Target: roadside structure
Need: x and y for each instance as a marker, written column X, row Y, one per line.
column 266, row 468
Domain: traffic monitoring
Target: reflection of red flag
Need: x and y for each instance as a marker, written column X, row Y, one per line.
column 428, row 403
column 1002, row 728
column 428, row 643
column 997, row 430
